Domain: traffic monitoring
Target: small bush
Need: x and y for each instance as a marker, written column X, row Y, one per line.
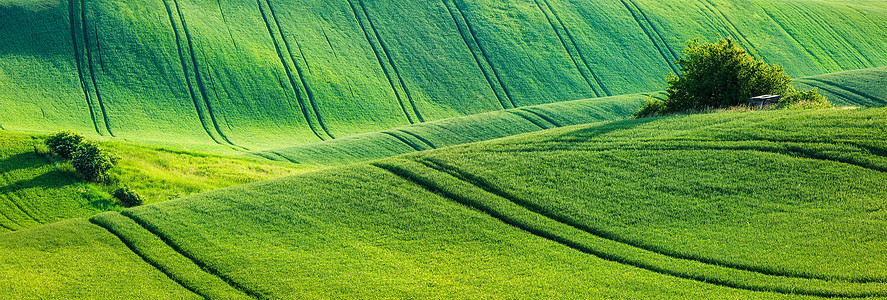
column 652, row 107
column 808, row 99
column 127, row 197
column 64, row 144
column 91, row 162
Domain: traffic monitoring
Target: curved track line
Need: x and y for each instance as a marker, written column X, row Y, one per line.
column 144, row 258
column 637, row 19
column 403, row 140
column 289, row 73
column 391, row 60
column 477, row 57
column 541, row 116
column 731, row 27
column 571, row 242
column 418, row 137
column 845, row 88
column 199, row 77
column 784, row 29
column 515, row 112
column 209, row 269
column 299, row 72
column 79, row 62
column 366, row 35
column 491, row 188
column 95, row 85
column 830, row 29
column 187, row 75
column 483, row 51
column 575, row 48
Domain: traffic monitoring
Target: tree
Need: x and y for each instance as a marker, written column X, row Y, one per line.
column 91, row 162
column 64, row 144
column 721, row 74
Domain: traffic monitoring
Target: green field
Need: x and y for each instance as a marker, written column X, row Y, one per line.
column 449, row 149
column 227, row 75
column 37, row 189
column 767, row 204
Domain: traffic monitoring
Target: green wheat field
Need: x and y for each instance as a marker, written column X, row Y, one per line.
column 446, row 149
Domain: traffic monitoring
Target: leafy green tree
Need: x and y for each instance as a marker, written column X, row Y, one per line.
column 91, row 162
column 64, row 144
column 721, row 74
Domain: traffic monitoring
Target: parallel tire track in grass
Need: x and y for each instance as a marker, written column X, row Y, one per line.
column 636, row 13
column 845, row 88
column 366, row 23
column 308, row 92
column 572, row 49
column 159, row 254
column 289, row 73
column 201, row 114
column 788, row 33
column 531, row 120
column 198, row 77
column 470, row 194
column 403, row 140
column 78, row 59
column 382, row 62
column 473, row 32
column 476, row 50
column 178, row 249
column 541, row 116
column 738, row 35
column 418, row 137
column 89, row 62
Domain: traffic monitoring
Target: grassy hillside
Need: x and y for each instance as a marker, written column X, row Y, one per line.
column 459, row 130
column 767, row 204
column 217, row 75
column 865, row 87
column 36, row 188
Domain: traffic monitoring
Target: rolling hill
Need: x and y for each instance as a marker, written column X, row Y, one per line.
column 37, row 189
column 235, row 75
column 760, row 204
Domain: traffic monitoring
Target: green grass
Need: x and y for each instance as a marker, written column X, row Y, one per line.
column 863, row 88
column 39, row 189
column 96, row 265
column 223, row 76
column 756, row 204
column 852, row 88
column 459, row 130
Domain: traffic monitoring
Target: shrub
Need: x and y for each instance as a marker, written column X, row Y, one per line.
column 721, row 74
column 807, row 99
column 64, row 144
column 127, row 197
column 652, row 107
column 91, row 162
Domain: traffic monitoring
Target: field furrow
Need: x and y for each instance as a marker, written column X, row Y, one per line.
column 235, row 288
column 393, row 65
column 92, row 70
column 289, row 74
column 526, row 217
column 383, row 63
column 667, row 54
column 299, row 72
column 201, row 113
column 405, row 141
column 159, row 254
column 571, row 50
column 78, row 60
column 480, row 57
